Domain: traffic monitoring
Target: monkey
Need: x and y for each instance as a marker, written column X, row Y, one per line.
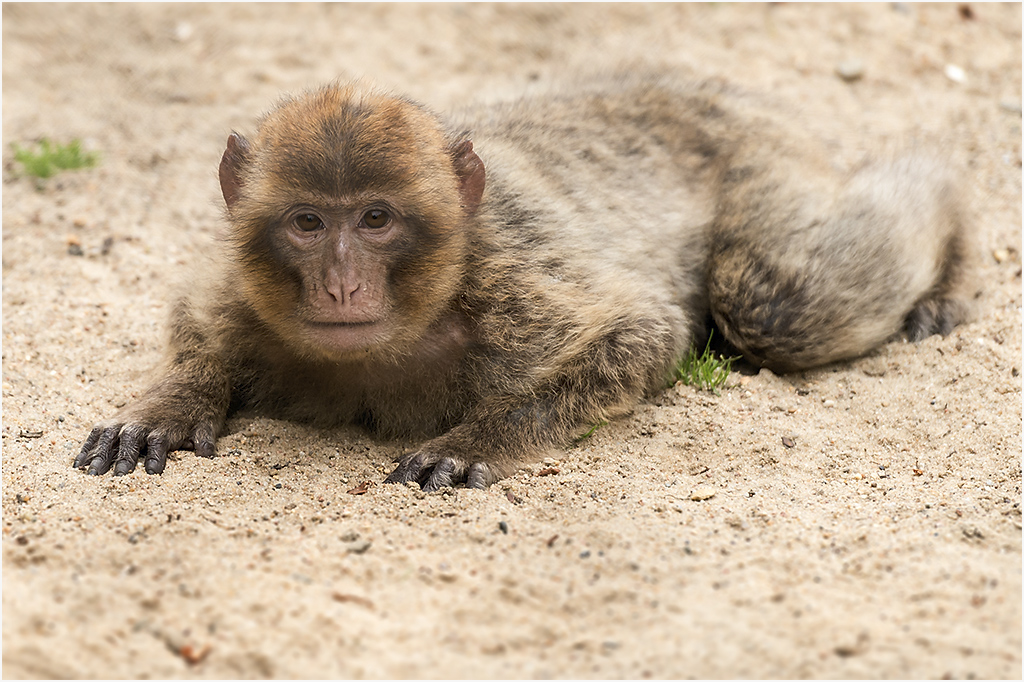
column 492, row 280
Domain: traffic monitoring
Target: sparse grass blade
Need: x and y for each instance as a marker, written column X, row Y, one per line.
column 590, row 432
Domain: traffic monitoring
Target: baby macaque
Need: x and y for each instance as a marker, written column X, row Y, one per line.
column 493, row 281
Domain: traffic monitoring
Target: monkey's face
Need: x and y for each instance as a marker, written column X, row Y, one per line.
column 344, row 276
column 343, row 299
column 348, row 212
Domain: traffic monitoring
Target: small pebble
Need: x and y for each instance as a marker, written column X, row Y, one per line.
column 183, row 31
column 829, row 403
column 358, row 547
column 955, row 73
column 850, row 70
column 1013, row 106
column 1001, row 255
column 702, row 493
column 503, row 527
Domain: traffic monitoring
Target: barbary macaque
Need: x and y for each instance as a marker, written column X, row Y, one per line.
column 493, row 281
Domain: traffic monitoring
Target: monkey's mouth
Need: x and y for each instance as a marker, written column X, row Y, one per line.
column 344, row 336
column 332, row 325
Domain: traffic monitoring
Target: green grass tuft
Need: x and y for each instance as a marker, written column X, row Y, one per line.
column 706, row 370
column 50, row 158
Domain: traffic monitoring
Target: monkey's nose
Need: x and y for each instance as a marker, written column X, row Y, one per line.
column 335, row 286
column 342, row 292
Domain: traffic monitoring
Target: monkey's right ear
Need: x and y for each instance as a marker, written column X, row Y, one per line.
column 472, row 176
column 235, row 156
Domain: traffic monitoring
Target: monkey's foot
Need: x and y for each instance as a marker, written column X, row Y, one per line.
column 934, row 316
column 434, row 472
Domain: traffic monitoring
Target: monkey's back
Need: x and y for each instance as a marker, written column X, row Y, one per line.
column 675, row 199
column 607, row 194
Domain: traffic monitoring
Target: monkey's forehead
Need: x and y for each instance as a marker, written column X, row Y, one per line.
column 345, row 139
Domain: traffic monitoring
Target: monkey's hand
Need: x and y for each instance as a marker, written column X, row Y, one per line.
column 496, row 437
column 433, row 470
column 179, row 413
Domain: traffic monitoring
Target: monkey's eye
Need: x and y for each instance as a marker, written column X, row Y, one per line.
column 376, row 218
column 309, row 222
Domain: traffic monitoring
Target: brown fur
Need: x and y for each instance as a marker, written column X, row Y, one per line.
column 512, row 305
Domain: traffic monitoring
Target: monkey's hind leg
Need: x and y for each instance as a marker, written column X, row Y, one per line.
column 800, row 279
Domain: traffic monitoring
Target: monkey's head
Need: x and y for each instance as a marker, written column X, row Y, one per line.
column 348, row 210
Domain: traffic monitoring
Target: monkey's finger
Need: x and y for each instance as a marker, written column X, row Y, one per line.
column 157, row 446
column 410, row 468
column 90, row 442
column 480, row 476
column 203, row 440
column 103, row 453
column 445, row 474
column 132, row 440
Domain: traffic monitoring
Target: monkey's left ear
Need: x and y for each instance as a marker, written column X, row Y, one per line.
column 470, row 171
column 231, row 163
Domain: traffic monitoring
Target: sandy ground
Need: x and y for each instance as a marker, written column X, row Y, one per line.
column 885, row 543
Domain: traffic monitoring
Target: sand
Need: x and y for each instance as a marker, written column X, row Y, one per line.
column 684, row 540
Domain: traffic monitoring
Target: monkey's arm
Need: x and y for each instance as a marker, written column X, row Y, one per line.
column 184, row 410
column 507, row 428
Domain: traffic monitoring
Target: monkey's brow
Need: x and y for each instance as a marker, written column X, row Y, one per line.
column 301, row 196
